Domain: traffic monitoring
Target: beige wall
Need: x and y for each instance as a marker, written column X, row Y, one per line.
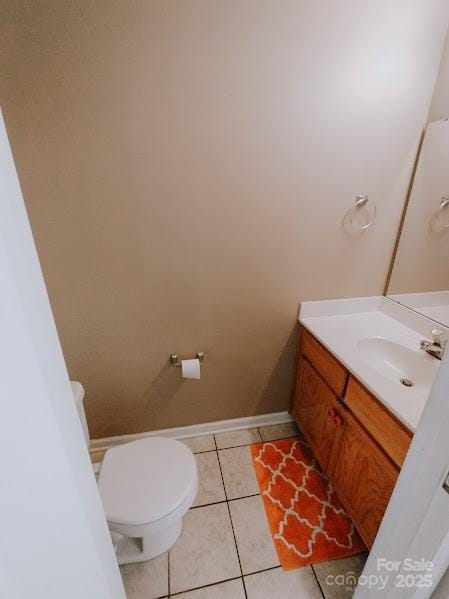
column 440, row 102
column 187, row 166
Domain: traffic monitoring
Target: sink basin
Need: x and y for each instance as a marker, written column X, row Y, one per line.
column 398, row 363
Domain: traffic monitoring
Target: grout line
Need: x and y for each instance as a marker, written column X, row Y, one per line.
column 242, row 444
column 297, row 436
column 263, row 570
column 317, row 581
column 221, row 471
column 232, row 524
column 230, row 447
column 236, row 548
column 213, row 584
column 198, row 452
column 244, row 497
column 237, row 446
column 195, row 507
column 206, row 586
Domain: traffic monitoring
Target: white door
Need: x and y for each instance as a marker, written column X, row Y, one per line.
column 411, row 551
column 54, row 541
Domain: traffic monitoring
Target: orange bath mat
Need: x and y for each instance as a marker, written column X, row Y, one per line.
column 307, row 522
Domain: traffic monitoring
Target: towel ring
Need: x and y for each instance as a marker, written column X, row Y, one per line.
column 439, row 213
column 361, row 202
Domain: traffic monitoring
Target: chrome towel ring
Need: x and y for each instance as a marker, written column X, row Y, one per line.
column 353, row 215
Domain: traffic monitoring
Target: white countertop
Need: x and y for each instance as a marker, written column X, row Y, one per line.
column 340, row 325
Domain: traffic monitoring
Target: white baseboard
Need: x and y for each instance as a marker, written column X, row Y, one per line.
column 196, row 430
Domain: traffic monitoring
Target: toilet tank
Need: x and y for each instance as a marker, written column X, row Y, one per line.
column 78, row 395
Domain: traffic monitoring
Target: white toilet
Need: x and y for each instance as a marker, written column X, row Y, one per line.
column 146, row 487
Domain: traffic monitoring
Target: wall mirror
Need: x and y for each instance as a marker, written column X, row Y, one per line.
column 419, row 277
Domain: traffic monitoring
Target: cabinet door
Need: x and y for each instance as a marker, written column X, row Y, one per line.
column 363, row 477
column 311, row 404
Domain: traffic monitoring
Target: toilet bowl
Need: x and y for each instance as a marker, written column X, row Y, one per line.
column 146, row 487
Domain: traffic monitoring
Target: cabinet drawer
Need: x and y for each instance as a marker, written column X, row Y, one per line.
column 391, row 434
column 324, row 362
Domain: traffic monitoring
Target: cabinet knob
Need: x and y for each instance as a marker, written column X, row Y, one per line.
column 338, row 420
column 332, row 413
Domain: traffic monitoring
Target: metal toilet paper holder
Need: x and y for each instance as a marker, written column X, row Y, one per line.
column 175, row 362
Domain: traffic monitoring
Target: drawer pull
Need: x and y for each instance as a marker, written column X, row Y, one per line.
column 332, row 413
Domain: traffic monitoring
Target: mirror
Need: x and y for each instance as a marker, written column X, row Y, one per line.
column 419, row 277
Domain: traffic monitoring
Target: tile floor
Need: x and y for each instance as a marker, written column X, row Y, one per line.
column 225, row 550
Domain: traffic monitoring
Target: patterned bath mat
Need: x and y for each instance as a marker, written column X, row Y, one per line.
column 307, row 521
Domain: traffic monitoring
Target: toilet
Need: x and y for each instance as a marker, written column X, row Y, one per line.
column 146, row 487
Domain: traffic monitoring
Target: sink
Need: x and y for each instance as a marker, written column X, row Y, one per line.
column 407, row 367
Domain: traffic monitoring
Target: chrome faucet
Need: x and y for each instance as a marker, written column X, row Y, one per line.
column 437, row 346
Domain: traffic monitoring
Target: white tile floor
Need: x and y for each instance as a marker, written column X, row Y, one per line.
column 225, row 550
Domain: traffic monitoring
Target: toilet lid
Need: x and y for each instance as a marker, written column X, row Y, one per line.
column 143, row 481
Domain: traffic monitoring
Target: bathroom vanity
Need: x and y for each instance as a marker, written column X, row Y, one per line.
column 350, row 400
column 366, row 365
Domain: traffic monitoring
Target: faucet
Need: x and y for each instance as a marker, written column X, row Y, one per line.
column 437, row 346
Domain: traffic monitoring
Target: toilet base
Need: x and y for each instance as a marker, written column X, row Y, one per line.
column 132, row 550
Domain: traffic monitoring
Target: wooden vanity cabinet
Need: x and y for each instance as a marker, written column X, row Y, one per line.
column 358, row 443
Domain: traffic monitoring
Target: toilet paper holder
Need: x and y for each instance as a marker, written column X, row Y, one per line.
column 174, row 358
